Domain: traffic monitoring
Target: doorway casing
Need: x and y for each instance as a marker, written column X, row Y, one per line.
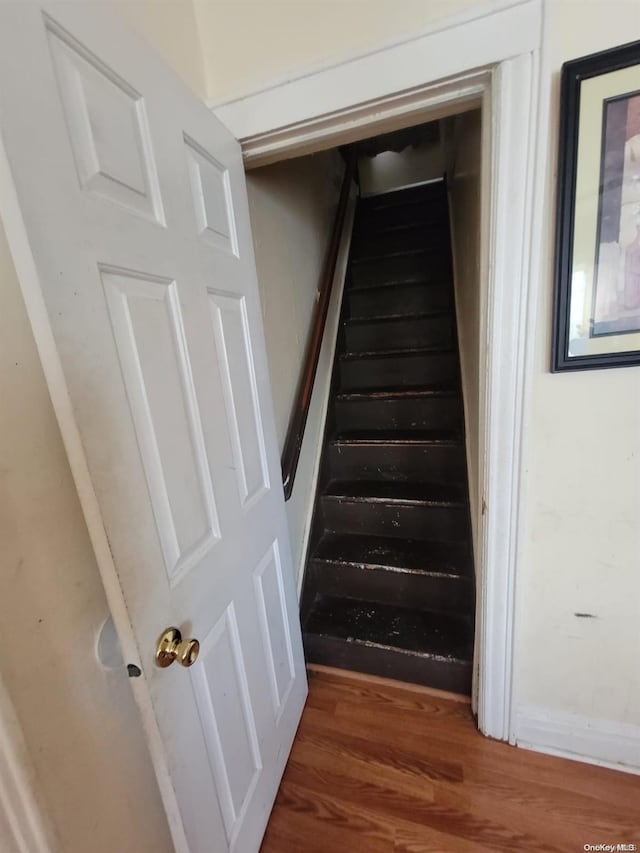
column 489, row 59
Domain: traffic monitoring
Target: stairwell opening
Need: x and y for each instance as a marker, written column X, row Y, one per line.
column 389, row 584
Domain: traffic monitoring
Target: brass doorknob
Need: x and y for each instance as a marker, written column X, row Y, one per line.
column 171, row 646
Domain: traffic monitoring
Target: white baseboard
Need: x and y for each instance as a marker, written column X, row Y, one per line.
column 601, row 742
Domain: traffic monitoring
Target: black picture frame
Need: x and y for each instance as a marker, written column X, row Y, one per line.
column 573, row 74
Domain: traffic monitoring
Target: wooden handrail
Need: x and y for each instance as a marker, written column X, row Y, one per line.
column 300, row 410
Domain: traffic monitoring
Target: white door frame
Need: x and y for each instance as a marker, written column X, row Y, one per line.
column 491, row 58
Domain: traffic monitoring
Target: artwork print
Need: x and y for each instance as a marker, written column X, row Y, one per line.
column 616, row 292
column 597, row 268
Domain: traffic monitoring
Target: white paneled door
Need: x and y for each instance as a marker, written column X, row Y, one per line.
column 126, row 209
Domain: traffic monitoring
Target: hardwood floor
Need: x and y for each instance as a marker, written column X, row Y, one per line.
column 380, row 768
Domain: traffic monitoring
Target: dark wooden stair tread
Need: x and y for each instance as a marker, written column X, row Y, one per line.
column 436, row 249
column 408, row 352
column 426, row 437
column 435, row 390
column 394, row 318
column 418, row 194
column 446, row 637
column 415, row 494
column 413, row 281
column 406, row 555
column 381, row 240
column 402, row 217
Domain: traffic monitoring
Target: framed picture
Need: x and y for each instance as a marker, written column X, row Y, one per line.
column 597, row 302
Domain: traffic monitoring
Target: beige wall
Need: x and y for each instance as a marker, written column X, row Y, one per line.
column 80, row 723
column 581, row 552
column 292, row 207
column 249, row 45
column 170, row 27
column 464, row 192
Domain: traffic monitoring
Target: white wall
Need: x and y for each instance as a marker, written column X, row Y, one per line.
column 80, row 723
column 250, row 45
column 391, row 170
column 292, row 207
column 464, row 193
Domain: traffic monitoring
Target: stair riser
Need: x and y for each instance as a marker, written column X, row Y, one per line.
column 397, row 463
column 425, row 194
column 392, row 334
column 375, row 243
column 398, row 371
column 400, row 218
column 453, row 676
column 403, row 521
column 382, row 586
column 392, row 268
column 447, row 558
column 399, row 299
column 402, row 414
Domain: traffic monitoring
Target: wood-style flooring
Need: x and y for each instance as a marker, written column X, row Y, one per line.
column 381, row 768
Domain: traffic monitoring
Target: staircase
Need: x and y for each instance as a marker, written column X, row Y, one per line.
column 389, row 583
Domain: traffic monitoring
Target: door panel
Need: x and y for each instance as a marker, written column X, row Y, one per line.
column 108, row 128
column 132, row 199
column 274, row 627
column 222, row 694
column 229, row 314
column 150, row 338
column 212, row 200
